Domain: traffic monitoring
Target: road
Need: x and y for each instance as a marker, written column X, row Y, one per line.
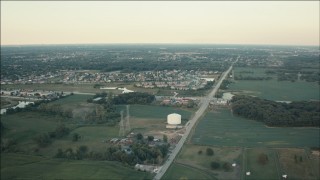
column 198, row 114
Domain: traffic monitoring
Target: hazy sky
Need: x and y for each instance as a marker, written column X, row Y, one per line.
column 252, row 22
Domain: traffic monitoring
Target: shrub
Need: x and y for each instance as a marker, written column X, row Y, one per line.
column 75, row 137
column 209, row 152
column 226, row 166
column 42, row 140
column 214, row 165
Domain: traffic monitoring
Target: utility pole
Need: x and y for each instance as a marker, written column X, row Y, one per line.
column 128, row 128
column 121, row 131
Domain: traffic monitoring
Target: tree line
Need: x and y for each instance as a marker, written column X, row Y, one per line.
column 299, row 113
column 240, row 77
column 139, row 152
column 45, row 139
column 134, row 98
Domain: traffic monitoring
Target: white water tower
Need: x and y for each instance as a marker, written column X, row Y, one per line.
column 174, row 119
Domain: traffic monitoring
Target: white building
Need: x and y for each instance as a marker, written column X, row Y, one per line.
column 174, row 121
column 208, row 79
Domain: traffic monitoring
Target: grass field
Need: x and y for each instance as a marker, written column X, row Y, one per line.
column 268, row 171
column 155, row 112
column 25, row 125
column 299, row 167
column 72, row 100
column 179, row 171
column 315, row 163
column 273, row 89
column 189, row 156
column 257, row 72
column 18, row 166
column 278, row 91
column 280, row 161
column 94, row 137
column 221, row 128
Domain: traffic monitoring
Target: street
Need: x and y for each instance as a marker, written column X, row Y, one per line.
column 198, row 114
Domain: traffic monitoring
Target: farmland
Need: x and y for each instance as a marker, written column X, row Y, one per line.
column 73, row 100
column 221, row 128
column 273, row 89
column 242, row 141
column 190, row 155
column 278, row 90
column 269, row 170
column 155, row 112
column 19, row 166
column 179, row 171
column 294, row 162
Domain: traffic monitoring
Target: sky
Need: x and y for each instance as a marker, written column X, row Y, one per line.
column 204, row 22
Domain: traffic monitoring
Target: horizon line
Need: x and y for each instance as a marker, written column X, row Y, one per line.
column 250, row 44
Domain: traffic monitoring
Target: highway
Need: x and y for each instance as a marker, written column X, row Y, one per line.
column 198, row 114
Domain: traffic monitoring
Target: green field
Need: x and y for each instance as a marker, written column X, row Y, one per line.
column 18, row 166
column 155, row 112
column 221, row 128
column 72, row 100
column 190, row 156
column 257, row 72
column 25, row 125
column 180, row 171
column 301, row 168
column 278, row 90
column 268, row 171
column 190, row 164
column 273, row 89
column 94, row 137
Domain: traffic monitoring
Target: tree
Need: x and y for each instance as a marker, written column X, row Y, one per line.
column 302, row 113
column 214, row 165
column 134, row 98
column 226, row 166
column 81, row 151
column 139, row 136
column 69, row 153
column 165, row 138
column 191, row 104
column 209, row 152
column 1, row 128
column 200, row 152
column 42, row 140
column 150, row 138
column 61, row 131
column 59, row 153
column 75, row 137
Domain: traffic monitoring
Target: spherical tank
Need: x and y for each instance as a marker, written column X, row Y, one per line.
column 174, row 118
